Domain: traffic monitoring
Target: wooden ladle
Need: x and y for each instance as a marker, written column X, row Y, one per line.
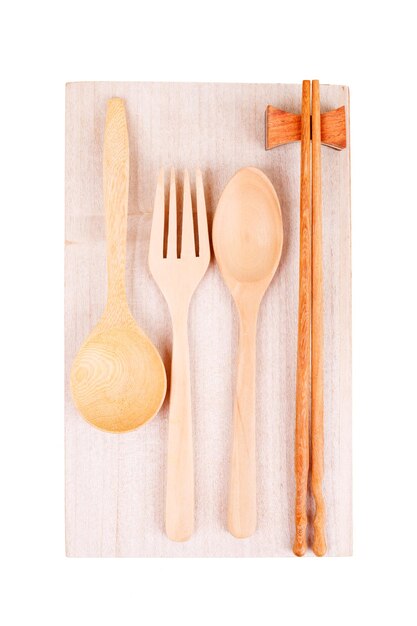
column 247, row 240
column 118, row 380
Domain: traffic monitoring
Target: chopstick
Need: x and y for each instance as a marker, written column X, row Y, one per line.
column 309, row 384
column 304, row 327
column 317, row 436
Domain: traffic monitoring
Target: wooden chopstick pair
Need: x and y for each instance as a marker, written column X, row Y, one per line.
column 329, row 129
column 309, row 392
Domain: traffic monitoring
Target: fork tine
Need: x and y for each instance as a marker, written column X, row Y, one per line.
column 172, row 251
column 156, row 243
column 203, row 237
column 187, row 240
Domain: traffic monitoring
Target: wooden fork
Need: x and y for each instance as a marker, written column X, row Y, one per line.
column 177, row 275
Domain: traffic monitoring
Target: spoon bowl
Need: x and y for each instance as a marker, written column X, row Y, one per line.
column 247, row 241
column 247, row 230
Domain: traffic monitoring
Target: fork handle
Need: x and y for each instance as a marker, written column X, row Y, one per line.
column 179, row 515
column 242, row 496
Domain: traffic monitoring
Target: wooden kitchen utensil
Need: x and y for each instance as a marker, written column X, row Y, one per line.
column 178, row 273
column 330, row 129
column 283, row 127
column 317, row 360
column 302, row 403
column 118, row 380
column 247, row 240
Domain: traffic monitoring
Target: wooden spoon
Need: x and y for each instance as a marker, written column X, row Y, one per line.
column 118, row 380
column 247, row 240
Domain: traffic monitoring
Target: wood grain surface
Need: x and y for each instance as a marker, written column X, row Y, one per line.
column 118, row 380
column 317, row 363
column 303, row 384
column 115, row 484
column 283, row 127
column 178, row 275
column 247, row 240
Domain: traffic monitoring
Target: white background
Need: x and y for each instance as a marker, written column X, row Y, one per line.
column 368, row 46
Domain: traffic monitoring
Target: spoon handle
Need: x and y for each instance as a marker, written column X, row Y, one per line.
column 116, row 189
column 242, row 497
column 304, row 326
column 317, row 435
column 179, row 514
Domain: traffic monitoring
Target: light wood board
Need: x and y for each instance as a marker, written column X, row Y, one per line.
column 115, row 483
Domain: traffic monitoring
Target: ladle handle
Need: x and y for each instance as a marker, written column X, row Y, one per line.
column 242, row 496
column 116, row 190
column 179, row 514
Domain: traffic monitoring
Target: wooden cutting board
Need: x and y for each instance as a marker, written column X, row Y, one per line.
column 115, row 483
